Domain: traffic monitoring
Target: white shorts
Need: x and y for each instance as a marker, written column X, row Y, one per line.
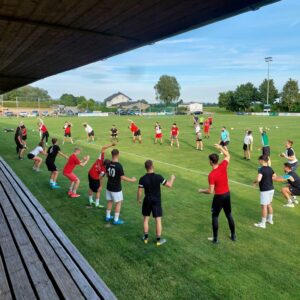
column 114, row 196
column 266, row 197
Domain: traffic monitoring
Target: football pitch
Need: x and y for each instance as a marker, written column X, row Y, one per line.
column 262, row 264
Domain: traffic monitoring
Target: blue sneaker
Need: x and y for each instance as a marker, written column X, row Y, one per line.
column 109, row 219
column 119, row 222
column 55, row 187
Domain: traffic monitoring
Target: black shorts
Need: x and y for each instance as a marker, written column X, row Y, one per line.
column 67, row 135
column 201, row 123
column 246, row 147
column 137, row 133
column 221, row 202
column 19, row 145
column 30, row 155
column 198, row 139
column 153, row 207
column 113, row 136
column 91, row 133
column 24, row 137
column 51, row 166
column 266, row 151
column 94, row 184
column 223, row 144
column 294, row 191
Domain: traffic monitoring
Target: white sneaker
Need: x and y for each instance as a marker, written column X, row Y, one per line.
column 290, row 205
column 295, row 201
column 260, row 225
column 270, row 222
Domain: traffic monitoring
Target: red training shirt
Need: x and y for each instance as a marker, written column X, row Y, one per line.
column 67, row 130
column 219, row 178
column 133, row 127
column 97, row 168
column 174, row 131
column 72, row 162
column 43, row 128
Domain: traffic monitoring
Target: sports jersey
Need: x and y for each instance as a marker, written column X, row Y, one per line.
column 290, row 152
column 157, row 129
column 225, row 136
column 114, row 172
column 266, row 183
column 174, row 131
column 18, row 134
column 219, row 178
column 43, row 128
column 72, row 162
column 24, row 131
column 52, row 153
column 248, row 139
column 67, row 129
column 296, row 182
column 151, row 184
column 201, row 120
column 97, row 168
column 133, row 127
column 113, row 131
column 264, row 139
column 197, row 128
column 37, row 150
column 206, row 125
column 88, row 129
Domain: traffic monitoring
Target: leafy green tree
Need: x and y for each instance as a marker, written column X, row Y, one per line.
column 290, row 98
column 226, row 100
column 273, row 92
column 27, row 93
column 68, row 100
column 167, row 89
column 244, row 95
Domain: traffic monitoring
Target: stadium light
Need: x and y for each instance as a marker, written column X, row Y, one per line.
column 268, row 60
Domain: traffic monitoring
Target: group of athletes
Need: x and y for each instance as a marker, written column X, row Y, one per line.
column 151, row 182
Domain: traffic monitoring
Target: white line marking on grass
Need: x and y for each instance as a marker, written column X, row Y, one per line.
column 186, row 169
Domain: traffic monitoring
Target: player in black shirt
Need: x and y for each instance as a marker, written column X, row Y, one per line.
column 21, row 146
column 290, row 155
column 151, row 183
column 114, row 133
column 50, row 162
column 265, row 179
column 293, row 185
column 115, row 174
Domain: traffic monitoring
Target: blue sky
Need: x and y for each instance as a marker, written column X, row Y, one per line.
column 205, row 61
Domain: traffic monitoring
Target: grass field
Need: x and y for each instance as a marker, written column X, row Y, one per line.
column 262, row 264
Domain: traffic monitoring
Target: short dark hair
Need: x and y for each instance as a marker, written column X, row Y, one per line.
column 174, row 124
column 106, row 162
column 265, row 158
column 249, row 132
column 41, row 144
column 214, row 158
column 148, row 164
column 54, row 140
column 287, row 165
column 290, row 142
column 115, row 152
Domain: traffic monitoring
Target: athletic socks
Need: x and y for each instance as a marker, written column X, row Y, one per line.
column 91, row 200
column 97, row 202
column 51, row 182
column 116, row 218
column 270, row 218
column 290, row 201
column 263, row 220
column 107, row 213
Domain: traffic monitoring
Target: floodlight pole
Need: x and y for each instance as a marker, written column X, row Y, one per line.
column 268, row 60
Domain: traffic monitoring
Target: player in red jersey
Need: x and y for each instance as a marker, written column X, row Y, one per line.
column 218, row 185
column 206, row 129
column 72, row 162
column 210, row 120
column 136, row 132
column 158, row 133
column 96, row 175
column 67, row 133
column 174, row 135
column 43, row 131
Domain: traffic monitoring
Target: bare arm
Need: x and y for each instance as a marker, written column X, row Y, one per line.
column 169, row 183
column 210, row 190
column 63, row 155
column 225, row 152
column 105, row 147
column 258, row 179
column 128, row 179
column 84, row 161
column 139, row 195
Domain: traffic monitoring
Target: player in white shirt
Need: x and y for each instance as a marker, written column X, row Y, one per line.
column 248, row 144
column 199, row 143
column 34, row 156
column 90, row 132
column 158, row 133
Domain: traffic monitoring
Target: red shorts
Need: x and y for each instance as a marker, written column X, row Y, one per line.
column 158, row 135
column 206, row 130
column 72, row 177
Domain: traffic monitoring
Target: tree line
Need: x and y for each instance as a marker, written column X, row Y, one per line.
column 247, row 97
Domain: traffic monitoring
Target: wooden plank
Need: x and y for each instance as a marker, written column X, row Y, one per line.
column 35, row 232
column 60, row 276
column 5, row 293
column 93, row 278
column 21, row 285
column 33, row 264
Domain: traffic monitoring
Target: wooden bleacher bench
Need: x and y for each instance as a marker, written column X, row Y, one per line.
column 37, row 260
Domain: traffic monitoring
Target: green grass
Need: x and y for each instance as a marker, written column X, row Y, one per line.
column 263, row 264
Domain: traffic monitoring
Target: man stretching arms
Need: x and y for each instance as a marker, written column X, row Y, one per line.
column 115, row 174
column 218, row 184
column 152, row 202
